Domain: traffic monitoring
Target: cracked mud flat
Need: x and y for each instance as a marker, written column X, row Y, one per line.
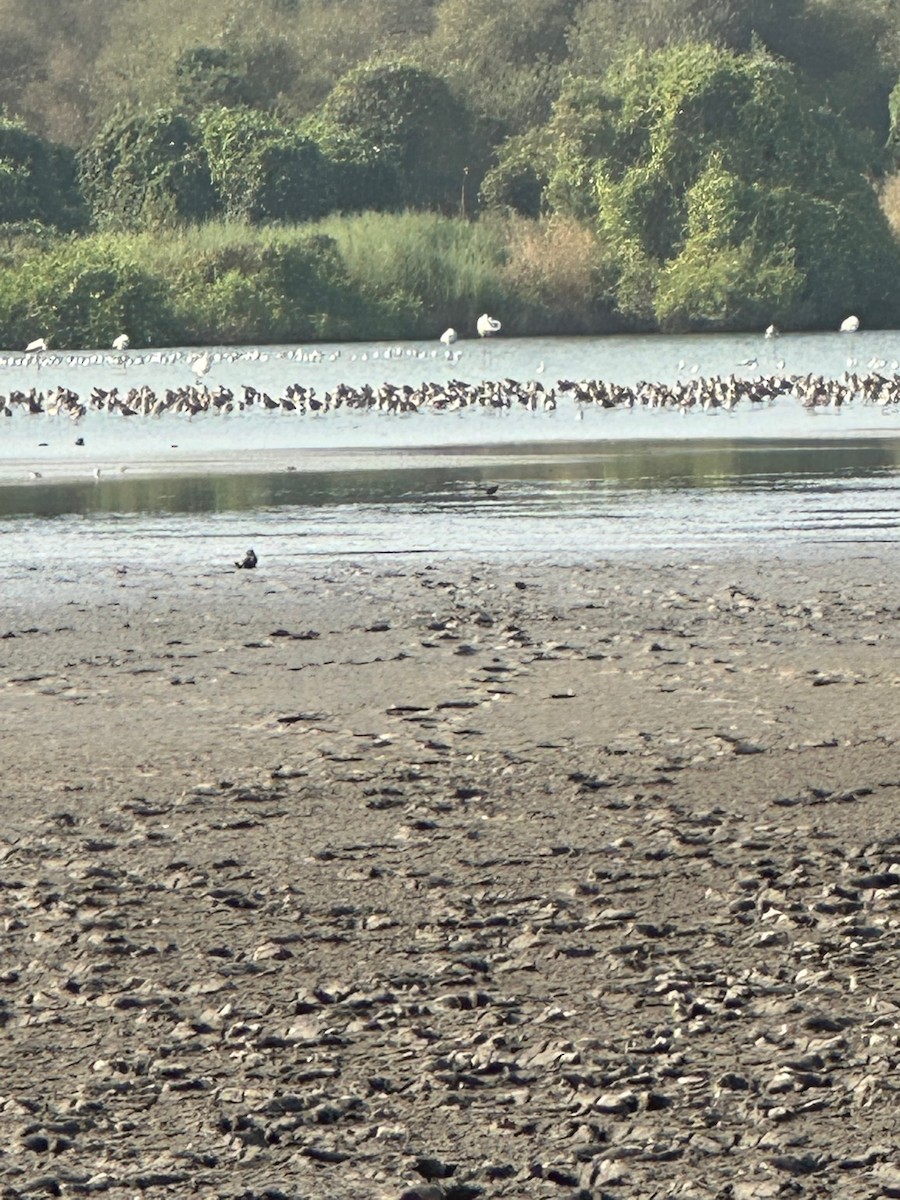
column 447, row 881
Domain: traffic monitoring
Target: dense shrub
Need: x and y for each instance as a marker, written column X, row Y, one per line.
column 409, row 138
column 687, row 161
column 264, row 170
column 83, row 293
column 147, row 171
column 288, row 289
column 38, row 181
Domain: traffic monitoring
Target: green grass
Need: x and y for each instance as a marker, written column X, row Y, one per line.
column 362, row 277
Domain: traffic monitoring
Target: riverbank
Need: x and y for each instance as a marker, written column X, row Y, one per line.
column 420, row 879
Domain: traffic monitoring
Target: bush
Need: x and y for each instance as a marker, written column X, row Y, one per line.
column 688, row 160
column 409, row 137
column 83, row 294
column 147, row 171
column 263, row 170
column 38, row 181
column 290, row 288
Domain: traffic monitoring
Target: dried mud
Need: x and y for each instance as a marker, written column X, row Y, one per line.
column 451, row 880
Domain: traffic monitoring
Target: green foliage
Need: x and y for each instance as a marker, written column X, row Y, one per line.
column 506, row 58
column 82, row 293
column 849, row 54
column 264, row 170
column 37, row 180
column 288, row 287
column 404, row 132
column 147, row 171
column 720, row 151
column 605, row 30
column 429, row 270
column 516, row 183
column 210, row 77
column 688, row 157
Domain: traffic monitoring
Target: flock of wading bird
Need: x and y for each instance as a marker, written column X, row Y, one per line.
column 718, row 392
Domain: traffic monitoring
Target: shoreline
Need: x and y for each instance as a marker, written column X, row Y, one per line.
column 535, row 872
column 209, row 447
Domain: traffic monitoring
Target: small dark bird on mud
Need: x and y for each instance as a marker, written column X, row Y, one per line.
column 249, row 562
column 492, row 490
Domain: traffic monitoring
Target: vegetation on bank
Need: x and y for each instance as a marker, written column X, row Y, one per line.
column 313, row 171
column 372, row 276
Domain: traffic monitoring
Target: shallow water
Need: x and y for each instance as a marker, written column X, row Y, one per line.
column 630, row 500
column 193, row 492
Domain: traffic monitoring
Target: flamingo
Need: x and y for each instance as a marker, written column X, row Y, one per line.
column 487, row 325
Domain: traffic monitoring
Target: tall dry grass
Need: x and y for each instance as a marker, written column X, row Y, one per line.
column 553, row 268
column 889, row 199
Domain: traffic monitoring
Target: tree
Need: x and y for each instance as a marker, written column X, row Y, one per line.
column 603, row 29
column 848, row 53
column 506, row 58
column 264, row 170
column 519, row 178
column 145, row 171
column 38, row 181
column 688, row 161
column 406, row 138
column 210, row 77
column 47, row 63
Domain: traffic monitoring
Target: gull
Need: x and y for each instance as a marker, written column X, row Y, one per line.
column 449, row 336
column 850, row 325
column 122, row 342
column 36, row 346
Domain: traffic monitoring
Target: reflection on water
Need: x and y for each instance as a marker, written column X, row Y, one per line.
column 575, row 502
column 567, row 474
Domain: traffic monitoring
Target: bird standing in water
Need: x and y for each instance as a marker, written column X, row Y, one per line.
column 249, row 562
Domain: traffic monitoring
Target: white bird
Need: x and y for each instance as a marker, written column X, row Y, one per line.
column 201, row 364
column 122, row 342
column 36, row 346
column 771, row 332
column 850, row 325
column 487, row 325
column 449, row 336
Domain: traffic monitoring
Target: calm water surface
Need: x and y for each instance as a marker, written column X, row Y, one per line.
column 192, row 492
